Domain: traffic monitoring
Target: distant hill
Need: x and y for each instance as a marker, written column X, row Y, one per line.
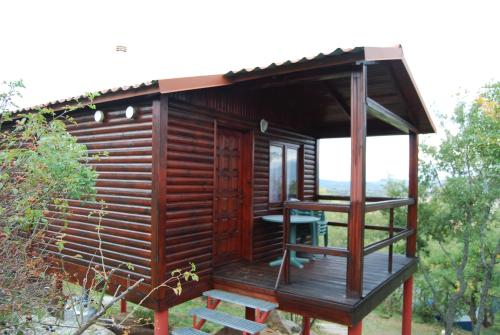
column 373, row 188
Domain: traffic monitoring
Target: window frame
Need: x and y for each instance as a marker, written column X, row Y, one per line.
column 300, row 163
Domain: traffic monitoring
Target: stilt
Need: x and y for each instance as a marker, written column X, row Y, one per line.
column 356, row 329
column 123, row 306
column 306, row 325
column 161, row 322
column 407, row 306
column 250, row 313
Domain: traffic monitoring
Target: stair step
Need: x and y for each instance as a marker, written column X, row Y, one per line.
column 227, row 320
column 188, row 331
column 264, row 306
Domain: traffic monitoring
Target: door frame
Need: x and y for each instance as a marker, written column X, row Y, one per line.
column 247, row 174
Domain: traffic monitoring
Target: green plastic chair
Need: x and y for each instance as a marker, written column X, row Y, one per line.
column 320, row 228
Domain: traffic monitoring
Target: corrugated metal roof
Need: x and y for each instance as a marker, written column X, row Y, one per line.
column 81, row 97
column 335, row 53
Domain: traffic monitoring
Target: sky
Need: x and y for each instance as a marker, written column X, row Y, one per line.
column 65, row 48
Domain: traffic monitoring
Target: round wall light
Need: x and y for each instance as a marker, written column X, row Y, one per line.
column 264, row 125
column 99, row 116
column 130, row 112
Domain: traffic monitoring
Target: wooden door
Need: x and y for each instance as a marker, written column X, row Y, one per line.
column 228, row 200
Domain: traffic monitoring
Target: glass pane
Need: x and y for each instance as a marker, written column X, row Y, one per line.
column 275, row 174
column 292, row 173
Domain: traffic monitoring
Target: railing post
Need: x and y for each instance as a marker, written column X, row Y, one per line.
column 354, row 285
column 286, row 239
column 411, row 242
column 391, row 234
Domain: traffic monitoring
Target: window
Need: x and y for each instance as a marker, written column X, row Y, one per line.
column 283, row 172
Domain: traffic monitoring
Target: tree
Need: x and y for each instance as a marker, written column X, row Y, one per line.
column 459, row 218
column 40, row 165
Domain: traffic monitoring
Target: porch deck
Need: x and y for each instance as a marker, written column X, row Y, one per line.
column 321, row 285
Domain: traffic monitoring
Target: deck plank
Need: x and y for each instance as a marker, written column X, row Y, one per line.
column 323, row 279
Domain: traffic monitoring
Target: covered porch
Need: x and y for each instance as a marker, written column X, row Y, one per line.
column 353, row 100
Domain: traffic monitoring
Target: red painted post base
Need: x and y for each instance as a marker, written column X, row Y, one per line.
column 161, row 322
column 250, row 313
column 306, row 325
column 123, row 306
column 356, row 329
column 407, row 306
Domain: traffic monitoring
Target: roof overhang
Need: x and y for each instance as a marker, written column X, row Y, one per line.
column 289, row 71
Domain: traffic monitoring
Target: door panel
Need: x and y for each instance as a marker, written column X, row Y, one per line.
column 228, row 197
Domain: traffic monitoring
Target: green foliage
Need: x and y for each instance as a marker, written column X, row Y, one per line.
column 458, row 212
column 40, row 164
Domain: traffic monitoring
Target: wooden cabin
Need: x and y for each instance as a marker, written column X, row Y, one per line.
column 188, row 178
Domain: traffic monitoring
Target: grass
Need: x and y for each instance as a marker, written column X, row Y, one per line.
column 374, row 324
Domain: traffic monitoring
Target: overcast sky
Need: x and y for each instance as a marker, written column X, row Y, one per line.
column 65, row 48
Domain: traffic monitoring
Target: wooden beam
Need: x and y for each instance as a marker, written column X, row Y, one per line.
column 355, row 230
column 380, row 112
column 338, row 98
column 387, row 241
column 161, row 322
column 411, row 221
column 300, row 77
column 340, row 252
column 407, row 306
column 325, row 62
column 317, row 206
column 367, row 227
column 159, row 194
column 378, row 205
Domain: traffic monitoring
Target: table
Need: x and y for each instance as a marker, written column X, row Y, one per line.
column 294, row 221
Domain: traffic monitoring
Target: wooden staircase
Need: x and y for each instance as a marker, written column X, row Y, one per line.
column 214, row 297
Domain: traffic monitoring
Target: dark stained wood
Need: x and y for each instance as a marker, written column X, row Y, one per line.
column 380, row 112
column 355, row 230
column 386, row 204
column 248, row 197
column 411, row 243
column 159, row 193
column 124, row 183
column 391, row 234
column 318, row 250
column 227, row 238
column 318, row 290
column 371, row 248
column 339, row 99
column 318, row 206
column 369, row 227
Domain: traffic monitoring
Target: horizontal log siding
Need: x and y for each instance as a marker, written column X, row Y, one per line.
column 267, row 237
column 240, row 111
column 124, row 184
column 190, row 182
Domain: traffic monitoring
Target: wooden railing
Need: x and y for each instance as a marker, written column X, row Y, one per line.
column 372, row 204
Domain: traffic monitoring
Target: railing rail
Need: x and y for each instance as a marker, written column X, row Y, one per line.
column 371, row 248
column 373, row 204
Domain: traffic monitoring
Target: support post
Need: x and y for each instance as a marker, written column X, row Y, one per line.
column 355, row 329
column 161, row 322
column 250, row 313
column 407, row 306
column 411, row 242
column 411, row 223
column 159, row 196
column 123, row 306
column 355, row 230
column 306, row 325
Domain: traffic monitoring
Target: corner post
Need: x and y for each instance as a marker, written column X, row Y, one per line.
column 159, row 199
column 354, row 285
column 411, row 223
column 161, row 322
column 355, row 329
column 306, row 325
